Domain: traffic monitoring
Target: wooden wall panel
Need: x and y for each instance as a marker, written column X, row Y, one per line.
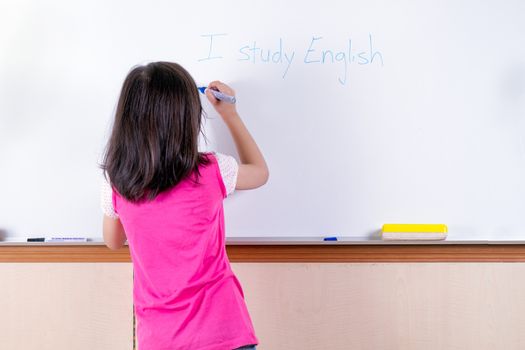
column 66, row 306
column 286, row 253
column 443, row 306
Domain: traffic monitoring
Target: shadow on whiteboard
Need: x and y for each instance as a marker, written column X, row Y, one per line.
column 217, row 135
column 373, row 235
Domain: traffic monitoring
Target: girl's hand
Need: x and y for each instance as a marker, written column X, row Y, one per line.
column 226, row 110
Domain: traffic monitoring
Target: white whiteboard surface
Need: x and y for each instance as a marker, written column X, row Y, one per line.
column 419, row 118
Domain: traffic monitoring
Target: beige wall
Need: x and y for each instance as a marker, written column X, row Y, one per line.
column 66, row 306
column 441, row 306
column 431, row 306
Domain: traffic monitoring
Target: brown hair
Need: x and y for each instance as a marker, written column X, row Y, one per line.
column 154, row 141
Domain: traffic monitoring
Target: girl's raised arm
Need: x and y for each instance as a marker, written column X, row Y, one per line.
column 253, row 171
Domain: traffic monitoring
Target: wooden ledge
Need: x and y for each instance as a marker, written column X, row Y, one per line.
column 286, row 253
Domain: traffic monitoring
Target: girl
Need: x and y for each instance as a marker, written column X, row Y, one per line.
column 165, row 198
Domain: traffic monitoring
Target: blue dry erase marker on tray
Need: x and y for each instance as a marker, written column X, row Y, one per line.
column 330, row 239
column 219, row 95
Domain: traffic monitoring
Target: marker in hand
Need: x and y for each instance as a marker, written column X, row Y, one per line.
column 219, row 95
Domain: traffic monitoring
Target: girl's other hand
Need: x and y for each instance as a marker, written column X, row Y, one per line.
column 225, row 109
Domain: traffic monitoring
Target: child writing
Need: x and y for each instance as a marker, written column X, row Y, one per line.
column 165, row 198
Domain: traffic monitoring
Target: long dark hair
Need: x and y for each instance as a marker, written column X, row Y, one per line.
column 154, row 141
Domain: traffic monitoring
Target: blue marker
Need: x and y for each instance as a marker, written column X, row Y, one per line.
column 330, row 239
column 219, row 95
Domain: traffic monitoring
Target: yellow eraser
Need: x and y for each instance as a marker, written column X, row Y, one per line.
column 415, row 228
column 414, row 231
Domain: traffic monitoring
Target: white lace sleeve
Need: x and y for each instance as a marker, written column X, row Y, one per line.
column 106, row 200
column 229, row 170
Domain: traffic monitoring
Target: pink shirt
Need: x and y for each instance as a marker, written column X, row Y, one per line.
column 185, row 293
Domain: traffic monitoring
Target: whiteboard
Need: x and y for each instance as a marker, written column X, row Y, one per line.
column 367, row 112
